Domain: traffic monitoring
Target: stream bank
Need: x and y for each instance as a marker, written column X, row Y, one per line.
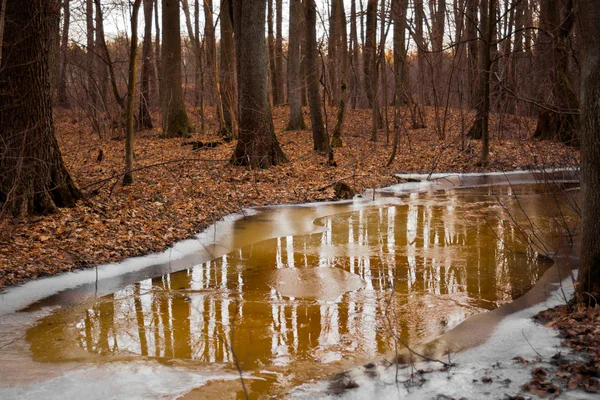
column 42, row 300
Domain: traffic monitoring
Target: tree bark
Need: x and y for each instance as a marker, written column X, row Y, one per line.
column 33, row 177
column 472, row 50
column 210, row 48
column 271, row 50
column 320, row 139
column 294, row 79
column 144, row 117
column 399, row 9
column 257, row 144
column 561, row 120
column 480, row 128
column 227, row 68
column 477, row 129
column 2, row 24
column 357, row 76
column 333, row 59
column 61, row 95
column 279, row 88
column 174, row 115
column 588, row 15
column 336, row 137
column 131, row 84
column 370, row 49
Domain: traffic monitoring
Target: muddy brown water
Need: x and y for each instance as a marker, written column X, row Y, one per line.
column 295, row 308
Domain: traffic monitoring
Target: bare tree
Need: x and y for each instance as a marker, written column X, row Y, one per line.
column 144, row 117
column 33, row 177
column 336, row 137
column 279, row 88
column 294, row 56
column 257, row 144
column 174, row 114
column 320, row 139
column 480, row 128
column 227, row 68
column 131, row 84
column 560, row 120
column 588, row 15
column 61, row 94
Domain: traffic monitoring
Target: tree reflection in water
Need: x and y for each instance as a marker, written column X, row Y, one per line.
column 448, row 255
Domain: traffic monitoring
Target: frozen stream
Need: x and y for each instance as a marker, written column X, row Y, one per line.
column 295, row 294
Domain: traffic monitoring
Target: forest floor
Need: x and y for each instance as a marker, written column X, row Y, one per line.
column 178, row 191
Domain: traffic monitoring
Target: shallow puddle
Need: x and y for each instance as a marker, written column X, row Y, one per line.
column 295, row 308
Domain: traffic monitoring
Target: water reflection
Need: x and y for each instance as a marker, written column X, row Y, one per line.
column 445, row 256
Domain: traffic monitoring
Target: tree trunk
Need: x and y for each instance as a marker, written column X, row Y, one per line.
column 61, row 95
column 472, row 50
column 131, row 84
column 92, row 88
column 271, row 49
column 279, row 88
column 144, row 117
column 2, row 24
column 588, row 15
column 399, row 8
column 369, row 51
column 294, row 79
column 210, row 48
column 33, row 177
column 336, row 138
column 477, row 129
column 227, row 68
column 103, row 66
column 157, row 36
column 174, row 115
column 357, row 81
column 560, row 121
column 333, row 60
column 421, row 49
column 320, row 139
column 480, row 128
column 257, row 144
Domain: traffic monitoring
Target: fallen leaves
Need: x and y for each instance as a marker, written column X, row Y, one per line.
column 180, row 192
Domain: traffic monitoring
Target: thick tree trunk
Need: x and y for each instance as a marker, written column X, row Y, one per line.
column 588, row 15
column 320, row 139
column 61, row 95
column 33, row 177
column 174, row 115
column 294, row 56
column 144, row 117
column 560, row 121
column 336, row 137
column 257, row 144
column 227, row 68
column 131, row 84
